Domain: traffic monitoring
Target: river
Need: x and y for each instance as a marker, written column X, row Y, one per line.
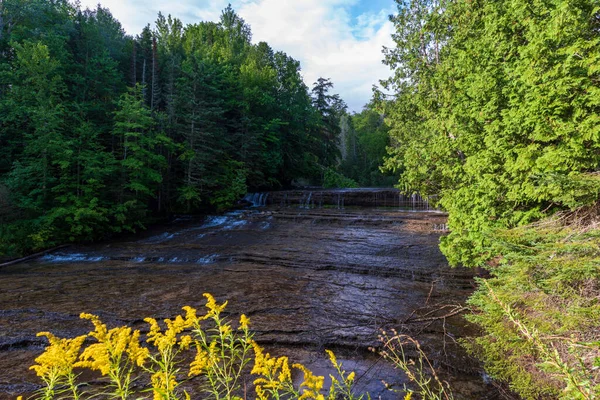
column 309, row 276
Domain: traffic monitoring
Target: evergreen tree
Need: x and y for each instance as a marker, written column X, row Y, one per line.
column 141, row 166
column 329, row 108
column 38, row 91
column 494, row 113
column 494, row 108
column 201, row 114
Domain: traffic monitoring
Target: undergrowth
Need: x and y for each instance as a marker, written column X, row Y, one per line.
column 540, row 310
column 419, row 371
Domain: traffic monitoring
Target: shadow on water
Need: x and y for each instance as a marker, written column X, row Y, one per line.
column 309, row 278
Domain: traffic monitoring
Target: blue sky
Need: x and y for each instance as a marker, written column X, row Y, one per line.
column 337, row 39
column 370, row 6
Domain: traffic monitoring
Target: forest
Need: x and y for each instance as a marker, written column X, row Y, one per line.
column 492, row 110
column 102, row 133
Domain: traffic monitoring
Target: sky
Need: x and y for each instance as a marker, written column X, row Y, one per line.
column 337, row 39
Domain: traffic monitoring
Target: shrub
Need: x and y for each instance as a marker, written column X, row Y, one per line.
column 332, row 179
column 540, row 309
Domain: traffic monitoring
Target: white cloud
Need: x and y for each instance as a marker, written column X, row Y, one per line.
column 322, row 34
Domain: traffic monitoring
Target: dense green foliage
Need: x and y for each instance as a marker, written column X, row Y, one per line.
column 495, row 108
column 100, row 132
column 333, row 179
column 496, row 111
column 365, row 139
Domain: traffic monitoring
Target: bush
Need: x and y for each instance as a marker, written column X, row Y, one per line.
column 332, row 179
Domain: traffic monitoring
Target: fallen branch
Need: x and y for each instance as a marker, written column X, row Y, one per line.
column 31, row 256
column 455, row 310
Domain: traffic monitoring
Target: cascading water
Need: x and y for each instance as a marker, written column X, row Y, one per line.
column 257, row 199
column 340, row 198
column 414, row 202
column 340, row 201
column 307, row 204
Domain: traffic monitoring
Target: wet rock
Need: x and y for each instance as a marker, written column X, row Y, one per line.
column 309, row 279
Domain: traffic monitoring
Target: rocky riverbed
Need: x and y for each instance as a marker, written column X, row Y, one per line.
column 310, row 279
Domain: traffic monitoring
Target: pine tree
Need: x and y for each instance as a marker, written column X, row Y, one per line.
column 329, row 108
column 141, row 166
column 40, row 115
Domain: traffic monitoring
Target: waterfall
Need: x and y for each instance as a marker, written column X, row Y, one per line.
column 440, row 227
column 302, row 200
column 414, row 202
column 315, row 199
column 340, row 201
column 257, row 199
column 307, row 204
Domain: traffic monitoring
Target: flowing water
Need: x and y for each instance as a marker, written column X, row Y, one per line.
column 309, row 278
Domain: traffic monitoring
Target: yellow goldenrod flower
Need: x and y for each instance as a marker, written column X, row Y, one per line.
column 200, row 364
column 286, row 373
column 100, row 330
column 96, row 357
column 312, row 384
column 332, row 357
column 225, row 329
column 213, row 307
column 160, row 380
column 167, row 339
column 260, row 394
column 212, row 349
column 190, row 315
column 408, row 396
column 274, row 373
column 114, row 347
column 244, row 322
column 137, row 354
column 184, row 342
column 120, row 338
column 351, row 376
column 59, row 357
column 162, row 383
